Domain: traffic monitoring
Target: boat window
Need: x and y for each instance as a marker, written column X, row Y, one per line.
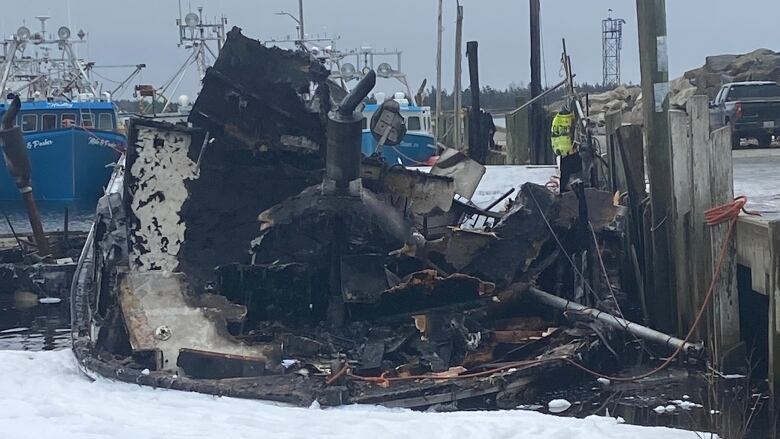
column 68, row 120
column 413, row 124
column 29, row 123
column 86, row 120
column 365, row 123
column 105, row 122
column 48, row 122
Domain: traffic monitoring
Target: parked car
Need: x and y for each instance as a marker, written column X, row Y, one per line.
column 751, row 108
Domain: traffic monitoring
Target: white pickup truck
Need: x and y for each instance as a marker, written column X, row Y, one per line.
column 751, row 108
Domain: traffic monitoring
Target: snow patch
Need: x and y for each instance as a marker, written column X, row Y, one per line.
column 45, row 395
column 558, row 405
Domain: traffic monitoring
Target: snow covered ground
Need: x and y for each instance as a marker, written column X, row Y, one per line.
column 43, row 395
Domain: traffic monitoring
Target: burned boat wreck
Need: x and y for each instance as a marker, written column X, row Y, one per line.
column 258, row 255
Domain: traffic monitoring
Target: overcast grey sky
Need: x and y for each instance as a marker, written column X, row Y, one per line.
column 135, row 31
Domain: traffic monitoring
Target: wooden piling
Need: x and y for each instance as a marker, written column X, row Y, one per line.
column 682, row 179
column 651, row 20
column 725, row 304
column 701, row 149
column 702, row 177
column 456, row 90
column 477, row 145
column 537, row 124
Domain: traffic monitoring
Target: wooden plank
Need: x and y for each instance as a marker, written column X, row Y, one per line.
column 617, row 179
column 774, row 310
column 631, row 147
column 725, row 299
column 753, row 250
column 698, row 109
column 517, row 147
column 682, row 180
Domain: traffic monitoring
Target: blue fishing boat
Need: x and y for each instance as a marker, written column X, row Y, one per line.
column 417, row 148
column 71, row 146
column 69, row 126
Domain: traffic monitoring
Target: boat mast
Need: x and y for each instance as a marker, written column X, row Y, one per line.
column 439, row 30
column 10, row 56
column 53, row 76
column 195, row 34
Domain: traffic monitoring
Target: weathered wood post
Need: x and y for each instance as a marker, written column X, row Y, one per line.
column 536, row 114
column 517, row 147
column 651, row 19
column 456, row 90
column 726, row 338
column 617, row 179
column 682, row 214
column 702, row 175
column 701, row 259
column 631, row 151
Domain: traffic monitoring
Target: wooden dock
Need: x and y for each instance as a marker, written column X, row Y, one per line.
column 758, row 249
column 706, row 173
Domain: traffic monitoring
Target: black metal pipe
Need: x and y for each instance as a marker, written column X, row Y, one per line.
column 643, row 332
column 345, row 128
column 356, row 96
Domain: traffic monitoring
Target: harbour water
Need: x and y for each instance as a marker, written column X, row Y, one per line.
column 26, row 323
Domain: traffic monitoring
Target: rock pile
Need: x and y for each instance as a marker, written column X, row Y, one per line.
column 759, row 65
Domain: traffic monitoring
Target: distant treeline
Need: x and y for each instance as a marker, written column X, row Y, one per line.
column 494, row 99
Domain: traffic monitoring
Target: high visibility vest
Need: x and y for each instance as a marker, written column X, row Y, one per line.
column 561, row 134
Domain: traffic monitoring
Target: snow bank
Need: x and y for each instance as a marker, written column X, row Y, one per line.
column 44, row 395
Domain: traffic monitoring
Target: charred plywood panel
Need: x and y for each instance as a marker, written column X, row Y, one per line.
column 158, row 168
column 161, row 314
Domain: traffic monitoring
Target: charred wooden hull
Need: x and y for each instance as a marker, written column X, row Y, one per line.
column 223, row 260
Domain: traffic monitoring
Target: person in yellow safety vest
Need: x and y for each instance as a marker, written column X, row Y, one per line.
column 562, row 136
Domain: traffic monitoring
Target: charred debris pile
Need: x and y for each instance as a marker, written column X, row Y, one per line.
column 258, row 255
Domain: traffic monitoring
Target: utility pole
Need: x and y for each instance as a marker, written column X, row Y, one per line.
column 456, row 90
column 536, row 113
column 439, row 30
column 300, row 19
column 651, row 20
column 477, row 145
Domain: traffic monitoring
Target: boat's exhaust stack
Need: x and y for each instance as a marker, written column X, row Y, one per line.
column 18, row 163
column 342, row 160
